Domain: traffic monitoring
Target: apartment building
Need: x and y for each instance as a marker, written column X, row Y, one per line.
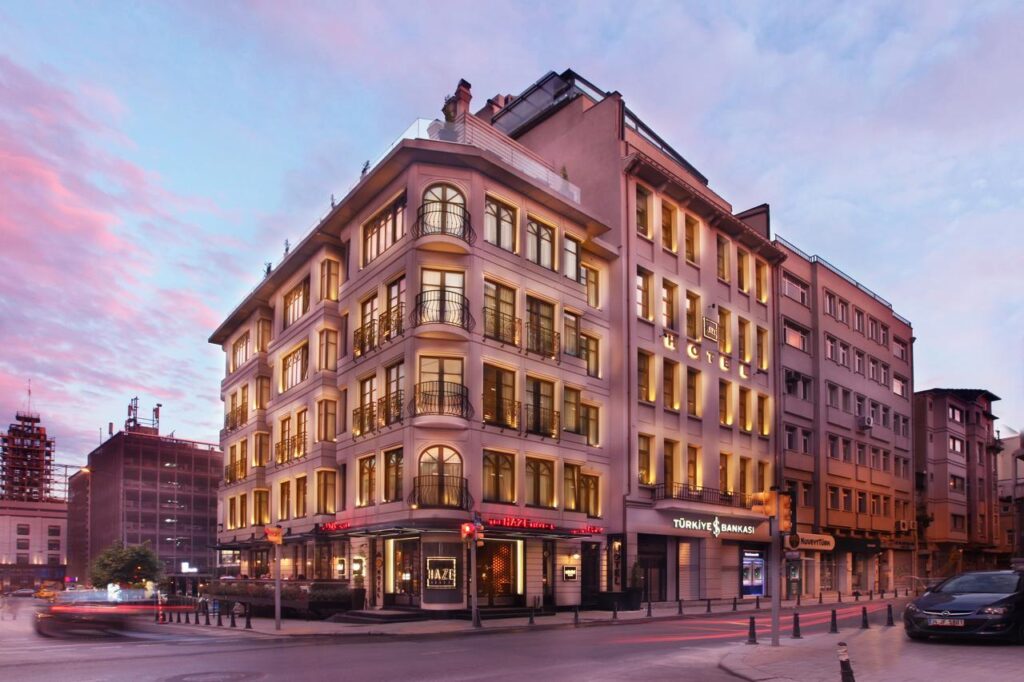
column 955, row 457
column 846, row 382
column 1010, row 469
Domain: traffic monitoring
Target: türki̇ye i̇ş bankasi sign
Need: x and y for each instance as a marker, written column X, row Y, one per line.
column 714, row 527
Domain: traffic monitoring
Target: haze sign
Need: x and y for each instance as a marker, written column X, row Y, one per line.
column 441, row 573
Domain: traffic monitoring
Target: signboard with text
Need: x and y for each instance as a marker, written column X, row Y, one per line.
column 441, row 574
column 570, row 573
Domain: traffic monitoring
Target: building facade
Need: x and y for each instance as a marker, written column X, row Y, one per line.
column 33, row 520
column 955, row 456
column 1011, row 497
column 846, row 363
column 140, row 487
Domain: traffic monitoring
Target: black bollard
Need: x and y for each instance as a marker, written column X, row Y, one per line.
column 615, row 610
column 207, row 616
column 888, row 615
column 796, row 626
column 734, row 603
column 178, row 618
column 821, row 598
column 833, row 627
column 576, row 616
column 845, row 669
column 757, row 603
column 648, row 608
column 248, row 616
column 220, row 609
column 752, row 632
column 231, row 609
column 187, row 621
column 864, row 625
column 680, row 604
column 531, row 616
column 709, row 607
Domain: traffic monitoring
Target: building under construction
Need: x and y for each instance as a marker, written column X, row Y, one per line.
column 26, row 460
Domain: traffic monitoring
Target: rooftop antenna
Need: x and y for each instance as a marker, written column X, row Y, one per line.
column 267, row 267
column 287, row 246
column 332, row 199
column 366, row 168
column 30, row 396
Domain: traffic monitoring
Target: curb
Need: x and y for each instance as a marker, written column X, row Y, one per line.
column 732, row 661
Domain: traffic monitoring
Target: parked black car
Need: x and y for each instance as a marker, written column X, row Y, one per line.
column 978, row 604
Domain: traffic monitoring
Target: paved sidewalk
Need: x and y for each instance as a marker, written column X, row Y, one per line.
column 879, row 654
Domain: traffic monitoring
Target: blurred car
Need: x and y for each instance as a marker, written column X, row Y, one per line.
column 92, row 612
column 976, row 604
column 23, row 592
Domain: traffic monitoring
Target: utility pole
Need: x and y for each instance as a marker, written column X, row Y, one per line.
column 277, row 587
column 775, row 573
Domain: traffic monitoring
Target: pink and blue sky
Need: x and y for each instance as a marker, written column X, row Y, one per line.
column 154, row 155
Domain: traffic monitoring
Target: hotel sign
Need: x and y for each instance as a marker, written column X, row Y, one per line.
column 711, row 329
column 570, row 573
column 441, row 573
column 713, row 527
column 520, row 522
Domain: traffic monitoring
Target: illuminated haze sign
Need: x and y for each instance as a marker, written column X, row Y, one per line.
column 715, row 527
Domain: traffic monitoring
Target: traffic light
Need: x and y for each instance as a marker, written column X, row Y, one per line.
column 786, row 512
column 764, row 503
column 468, row 531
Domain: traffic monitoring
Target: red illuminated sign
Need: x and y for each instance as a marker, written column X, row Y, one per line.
column 587, row 530
column 520, row 522
column 331, row 526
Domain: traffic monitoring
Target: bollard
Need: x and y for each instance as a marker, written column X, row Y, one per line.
column 248, row 616
column 840, row 597
column 576, row 616
column 833, row 627
column 734, row 603
column 796, row 626
column 615, row 610
column 752, row 632
column 757, row 603
column 187, row 621
column 648, row 608
column 845, row 669
column 709, row 607
column 178, row 619
column 207, row 616
column 531, row 616
column 220, row 623
column 821, row 598
column 888, row 615
column 680, row 604
column 231, row 608
column 864, row 625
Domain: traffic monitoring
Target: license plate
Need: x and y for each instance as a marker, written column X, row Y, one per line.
column 946, row 622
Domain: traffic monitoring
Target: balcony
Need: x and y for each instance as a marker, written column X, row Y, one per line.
column 235, row 471
column 542, row 421
column 236, row 418
column 442, row 307
column 501, row 412
column 364, row 339
column 502, row 327
column 390, row 409
column 289, row 449
column 364, row 420
column 442, row 398
column 448, row 225
column 543, row 340
column 386, row 411
column 391, row 323
column 440, row 492
column 696, row 493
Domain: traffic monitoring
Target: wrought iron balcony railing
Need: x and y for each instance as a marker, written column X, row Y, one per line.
column 501, row 412
column 440, row 306
column 364, row 419
column 543, row 340
column 542, row 421
column 290, row 448
column 390, row 408
column 442, row 398
column 236, row 418
column 391, row 323
column 235, row 471
column 446, row 492
column 502, row 326
column 364, row 339
column 696, row 493
column 437, row 218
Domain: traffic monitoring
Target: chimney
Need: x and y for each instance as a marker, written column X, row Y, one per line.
column 458, row 104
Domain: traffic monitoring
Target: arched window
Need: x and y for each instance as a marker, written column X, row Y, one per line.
column 444, row 212
column 440, row 482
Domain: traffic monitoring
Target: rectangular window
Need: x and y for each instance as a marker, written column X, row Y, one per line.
column 743, row 339
column 328, row 359
column 261, row 449
column 240, row 351
column 670, row 384
column 744, row 409
column 243, row 510
column 300, row 497
column 643, row 294
column 830, row 304
column 900, row 349
column 593, row 289
column 761, row 281
column 744, row 475
column 858, row 362
column 393, row 463
column 956, row 445
column 263, row 327
column 589, row 423
column 326, row 420
column 540, row 483
column 500, row 321
column 862, row 502
column 367, row 481
column 723, row 258
column 296, row 302
column 571, row 258
column 23, row 529
column 500, row 225
column 571, row 410
column 692, row 315
column 294, row 367
column 795, row 289
column 261, row 507
column 858, row 320
column 724, row 331
column 499, row 477
column 796, row 336
column 382, row 231
column 590, row 348
column 762, row 477
column 645, row 470
column 742, row 270
column 232, row 514
column 843, row 312
column 643, row 222
column 643, row 376
column 956, row 414
column 762, row 348
column 571, row 487
column 571, row 333
column 692, row 239
column 763, row 416
column 540, row 244
column 833, row 497
column 668, row 227
column 326, row 492
column 847, row 499
column 723, row 472
column 692, row 456
column 692, row 392
column 724, row 402
column 830, row 348
column 284, row 501
column 669, row 296
column 330, row 271
column 959, row 522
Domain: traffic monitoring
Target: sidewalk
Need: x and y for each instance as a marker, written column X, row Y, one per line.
column 562, row 619
column 879, row 654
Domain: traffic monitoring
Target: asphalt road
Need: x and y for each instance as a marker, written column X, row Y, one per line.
column 686, row 649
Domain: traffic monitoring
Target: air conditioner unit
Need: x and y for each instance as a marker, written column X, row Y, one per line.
column 864, row 423
column 903, row 526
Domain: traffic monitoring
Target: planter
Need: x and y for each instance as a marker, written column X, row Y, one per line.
column 633, row 597
column 358, row 598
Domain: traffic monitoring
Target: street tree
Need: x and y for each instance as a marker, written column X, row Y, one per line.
column 119, row 564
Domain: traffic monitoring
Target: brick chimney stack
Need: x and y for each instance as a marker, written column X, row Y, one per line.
column 458, row 104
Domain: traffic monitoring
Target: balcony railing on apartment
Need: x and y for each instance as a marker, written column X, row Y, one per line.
column 442, row 398
column 444, row 492
column 236, row 418
column 289, row 449
column 235, row 471
column 502, row 412
column 441, row 218
column 441, row 306
column 543, row 340
column 390, row 408
column 502, row 326
column 542, row 421
column 364, row 339
column 364, row 419
column 391, row 323
column 696, row 493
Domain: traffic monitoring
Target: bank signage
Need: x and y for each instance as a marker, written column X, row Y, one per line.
column 441, row 573
column 570, row 573
column 811, row 542
column 714, row 527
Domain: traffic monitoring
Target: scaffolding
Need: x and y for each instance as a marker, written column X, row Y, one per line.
column 26, row 461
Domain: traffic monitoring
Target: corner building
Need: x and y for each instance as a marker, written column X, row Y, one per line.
column 846, row 384
column 538, row 313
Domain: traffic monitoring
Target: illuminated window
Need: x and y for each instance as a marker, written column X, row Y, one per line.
column 499, row 477
column 645, row 471
column 669, row 295
column 328, row 348
column 761, row 281
column 296, row 302
column 723, row 258
column 643, row 294
column 383, row 230
column 668, row 227
column 692, row 392
column 500, row 225
column 742, row 270
column 643, row 375
column 795, row 289
column 294, row 367
column 571, row 257
column 643, row 223
column 240, row 351
column 300, row 497
column 540, row 483
column 724, row 402
column 540, row 244
column 692, row 315
column 670, row 384
column 329, row 279
column 692, row 239
column 284, row 501
column 393, row 475
column 326, row 492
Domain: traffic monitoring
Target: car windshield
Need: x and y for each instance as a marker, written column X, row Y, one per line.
column 990, row 583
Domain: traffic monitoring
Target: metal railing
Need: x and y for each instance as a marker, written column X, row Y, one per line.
column 442, row 218
column 391, row 323
column 390, row 408
column 502, row 412
column 543, row 340
column 442, row 398
column 364, row 419
column 289, row 449
column 542, row 421
column 696, row 493
column 236, row 418
column 364, row 339
column 447, row 492
column 235, row 471
column 502, row 326
column 441, row 306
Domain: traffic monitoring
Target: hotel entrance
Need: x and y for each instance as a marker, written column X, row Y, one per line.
column 402, row 578
column 499, row 575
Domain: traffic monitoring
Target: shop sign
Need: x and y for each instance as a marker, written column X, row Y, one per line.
column 587, row 530
column 715, row 527
column 711, row 329
column 275, row 534
column 441, row 573
column 811, row 542
column 520, row 522
column 570, row 573
column 332, row 526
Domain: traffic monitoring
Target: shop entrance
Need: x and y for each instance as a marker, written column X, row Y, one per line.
column 752, row 583
column 590, row 568
column 548, row 573
column 652, row 557
column 405, row 573
column 496, row 574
